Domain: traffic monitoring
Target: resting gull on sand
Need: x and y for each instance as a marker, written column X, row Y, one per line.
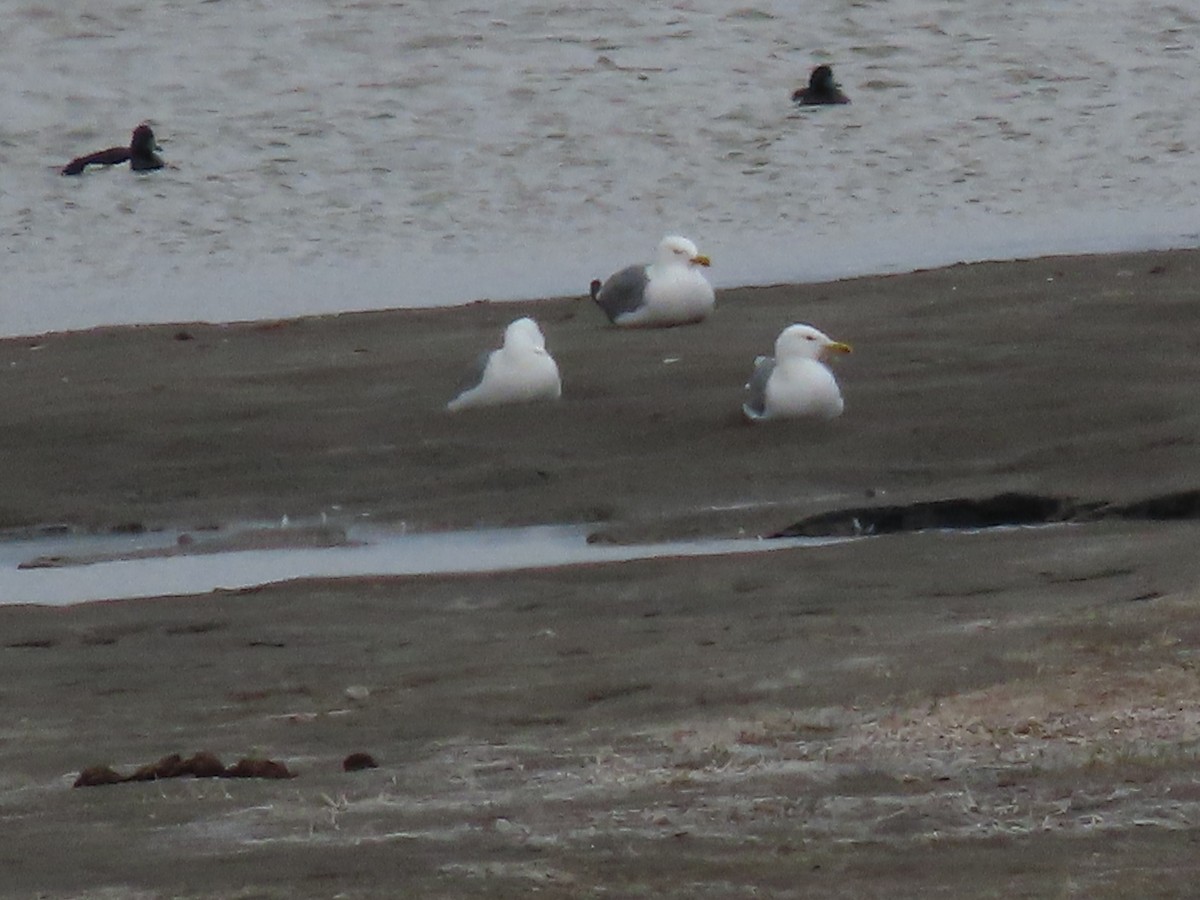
column 672, row 290
column 520, row 371
column 795, row 382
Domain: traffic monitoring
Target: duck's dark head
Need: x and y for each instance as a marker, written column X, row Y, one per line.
column 821, row 80
column 143, row 141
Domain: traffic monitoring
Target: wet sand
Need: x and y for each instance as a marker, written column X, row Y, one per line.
column 1014, row 711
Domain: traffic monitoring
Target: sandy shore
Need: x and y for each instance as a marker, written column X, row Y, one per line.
column 1015, row 711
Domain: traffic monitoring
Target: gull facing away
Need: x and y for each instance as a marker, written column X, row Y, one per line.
column 520, row 371
column 672, row 290
column 795, row 382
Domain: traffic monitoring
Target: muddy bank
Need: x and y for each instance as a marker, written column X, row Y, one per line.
column 910, row 714
column 1068, row 376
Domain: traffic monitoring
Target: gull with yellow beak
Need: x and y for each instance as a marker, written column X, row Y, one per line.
column 672, row 290
column 795, row 382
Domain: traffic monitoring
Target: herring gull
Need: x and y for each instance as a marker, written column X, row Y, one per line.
column 795, row 382
column 672, row 290
column 521, row 370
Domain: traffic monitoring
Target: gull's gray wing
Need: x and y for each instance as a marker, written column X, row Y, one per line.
column 474, row 375
column 624, row 292
column 470, row 381
column 755, row 406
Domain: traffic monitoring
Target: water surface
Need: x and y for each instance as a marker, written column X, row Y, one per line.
column 378, row 153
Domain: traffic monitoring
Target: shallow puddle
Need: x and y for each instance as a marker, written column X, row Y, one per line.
column 68, row 569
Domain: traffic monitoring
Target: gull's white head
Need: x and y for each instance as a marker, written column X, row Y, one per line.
column 524, row 333
column 679, row 250
column 806, row 342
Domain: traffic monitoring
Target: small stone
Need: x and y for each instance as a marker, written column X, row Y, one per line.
column 204, row 765
column 258, row 768
column 93, row 776
column 358, row 693
column 507, row 826
column 168, row 767
column 356, row 762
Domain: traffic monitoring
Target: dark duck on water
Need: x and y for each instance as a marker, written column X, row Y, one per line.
column 821, row 90
column 140, row 154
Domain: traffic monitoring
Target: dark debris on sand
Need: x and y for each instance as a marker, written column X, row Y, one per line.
column 201, row 765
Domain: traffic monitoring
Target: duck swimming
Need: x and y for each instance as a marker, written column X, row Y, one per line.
column 140, row 154
column 821, row 90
